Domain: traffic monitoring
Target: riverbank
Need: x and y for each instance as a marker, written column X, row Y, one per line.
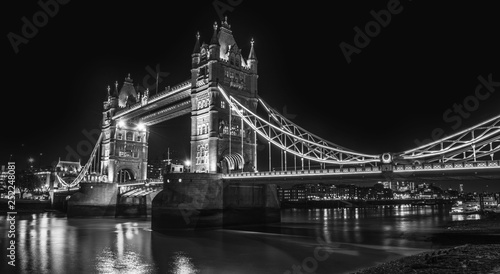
column 364, row 203
column 474, row 248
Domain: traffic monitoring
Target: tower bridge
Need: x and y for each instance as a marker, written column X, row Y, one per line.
column 222, row 98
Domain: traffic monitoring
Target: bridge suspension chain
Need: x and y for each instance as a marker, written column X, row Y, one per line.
column 479, row 141
column 293, row 139
column 88, row 166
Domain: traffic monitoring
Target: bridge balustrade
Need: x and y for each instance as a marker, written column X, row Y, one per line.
column 494, row 163
column 428, row 166
column 461, row 165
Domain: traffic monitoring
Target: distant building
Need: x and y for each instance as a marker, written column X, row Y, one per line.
column 3, row 176
column 155, row 169
column 64, row 168
column 295, row 194
column 66, row 172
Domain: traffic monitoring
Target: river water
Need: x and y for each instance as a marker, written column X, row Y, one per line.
column 307, row 240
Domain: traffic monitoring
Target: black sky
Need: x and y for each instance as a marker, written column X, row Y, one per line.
column 394, row 92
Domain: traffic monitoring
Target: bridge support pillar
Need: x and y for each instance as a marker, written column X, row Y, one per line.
column 94, row 200
column 204, row 200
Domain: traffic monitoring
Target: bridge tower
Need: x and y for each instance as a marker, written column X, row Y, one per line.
column 124, row 147
column 220, row 142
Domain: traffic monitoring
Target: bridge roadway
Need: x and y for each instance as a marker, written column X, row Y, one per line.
column 442, row 172
column 464, row 171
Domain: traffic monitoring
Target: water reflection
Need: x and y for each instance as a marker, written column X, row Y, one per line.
column 183, row 265
column 463, row 217
column 52, row 243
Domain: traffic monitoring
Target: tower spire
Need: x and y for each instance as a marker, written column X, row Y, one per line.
column 116, row 89
column 197, row 44
column 251, row 55
column 225, row 24
column 214, row 40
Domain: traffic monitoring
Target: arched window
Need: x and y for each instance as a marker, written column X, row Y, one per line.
column 130, row 136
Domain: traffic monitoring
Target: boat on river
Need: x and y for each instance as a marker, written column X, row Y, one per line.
column 469, row 207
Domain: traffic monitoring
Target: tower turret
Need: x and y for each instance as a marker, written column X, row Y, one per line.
column 214, row 44
column 252, row 58
column 195, row 57
column 128, row 94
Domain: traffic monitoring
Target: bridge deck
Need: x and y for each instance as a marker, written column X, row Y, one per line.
column 484, row 167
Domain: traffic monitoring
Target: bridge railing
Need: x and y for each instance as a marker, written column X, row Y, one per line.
column 141, row 182
column 449, row 166
column 494, row 164
column 345, row 170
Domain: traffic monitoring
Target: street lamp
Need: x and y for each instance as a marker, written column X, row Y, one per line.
column 187, row 163
column 31, row 160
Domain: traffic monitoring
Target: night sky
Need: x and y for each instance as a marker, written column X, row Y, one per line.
column 390, row 97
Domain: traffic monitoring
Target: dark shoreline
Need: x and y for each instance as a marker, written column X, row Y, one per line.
column 472, row 246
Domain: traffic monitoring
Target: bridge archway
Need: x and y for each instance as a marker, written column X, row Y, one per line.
column 125, row 175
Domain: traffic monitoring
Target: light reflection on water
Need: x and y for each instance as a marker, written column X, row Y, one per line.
column 182, row 264
column 463, row 217
column 357, row 237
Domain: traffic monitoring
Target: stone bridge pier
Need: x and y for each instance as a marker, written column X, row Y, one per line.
column 205, row 200
column 106, row 200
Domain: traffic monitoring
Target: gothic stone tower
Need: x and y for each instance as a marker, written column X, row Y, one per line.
column 220, row 142
column 124, row 146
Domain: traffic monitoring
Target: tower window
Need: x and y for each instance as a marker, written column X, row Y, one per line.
column 222, row 104
column 129, row 136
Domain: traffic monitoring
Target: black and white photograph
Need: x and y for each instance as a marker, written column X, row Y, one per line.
column 250, row 137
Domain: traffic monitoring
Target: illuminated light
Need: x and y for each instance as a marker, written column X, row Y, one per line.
column 187, row 163
column 180, row 180
column 121, row 123
column 141, row 126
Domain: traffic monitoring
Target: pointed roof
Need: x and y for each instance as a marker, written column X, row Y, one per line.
column 197, row 44
column 226, row 39
column 251, row 55
column 127, row 92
